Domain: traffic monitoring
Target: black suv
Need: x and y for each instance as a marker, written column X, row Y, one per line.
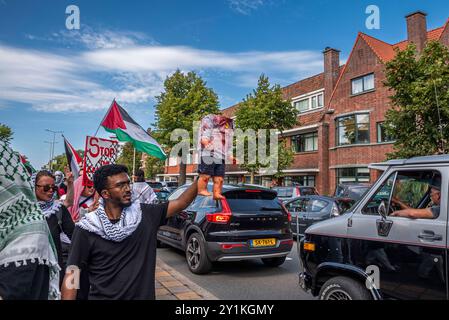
column 251, row 223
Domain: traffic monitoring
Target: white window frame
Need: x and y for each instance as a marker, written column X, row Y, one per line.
column 310, row 96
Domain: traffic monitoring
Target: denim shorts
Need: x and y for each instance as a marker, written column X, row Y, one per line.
column 216, row 168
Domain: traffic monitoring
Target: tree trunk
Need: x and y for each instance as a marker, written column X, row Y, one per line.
column 252, row 178
column 182, row 173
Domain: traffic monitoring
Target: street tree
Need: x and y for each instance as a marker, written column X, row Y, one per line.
column 419, row 119
column 126, row 157
column 265, row 108
column 185, row 99
column 5, row 133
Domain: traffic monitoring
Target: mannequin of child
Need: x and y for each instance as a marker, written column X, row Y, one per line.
column 208, row 166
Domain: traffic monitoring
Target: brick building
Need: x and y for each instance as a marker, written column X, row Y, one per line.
column 341, row 114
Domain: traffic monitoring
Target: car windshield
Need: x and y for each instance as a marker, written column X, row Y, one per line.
column 284, row 192
column 155, row 185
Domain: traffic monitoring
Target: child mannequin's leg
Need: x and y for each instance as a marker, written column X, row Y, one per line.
column 202, row 184
column 218, row 185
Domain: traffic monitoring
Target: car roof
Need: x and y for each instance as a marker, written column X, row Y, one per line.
column 443, row 158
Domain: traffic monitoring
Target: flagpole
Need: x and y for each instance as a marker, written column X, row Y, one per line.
column 134, row 162
column 104, row 118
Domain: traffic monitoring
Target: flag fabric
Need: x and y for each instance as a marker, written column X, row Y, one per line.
column 118, row 121
column 27, row 163
column 73, row 158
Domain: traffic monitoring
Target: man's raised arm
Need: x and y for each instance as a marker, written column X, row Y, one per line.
column 184, row 200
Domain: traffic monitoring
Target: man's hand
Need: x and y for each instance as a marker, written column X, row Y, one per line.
column 68, row 175
column 95, row 204
column 184, row 200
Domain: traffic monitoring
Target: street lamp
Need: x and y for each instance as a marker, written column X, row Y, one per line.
column 53, row 145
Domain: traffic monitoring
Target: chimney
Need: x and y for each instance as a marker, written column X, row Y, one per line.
column 417, row 29
column 331, row 71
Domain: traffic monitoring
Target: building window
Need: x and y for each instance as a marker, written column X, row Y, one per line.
column 382, row 135
column 305, row 181
column 353, row 129
column 347, row 175
column 311, row 103
column 231, row 179
column 363, row 84
column 305, row 142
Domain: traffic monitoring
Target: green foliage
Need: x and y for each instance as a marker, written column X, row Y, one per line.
column 420, row 87
column 265, row 108
column 153, row 166
column 127, row 156
column 5, row 133
column 185, row 99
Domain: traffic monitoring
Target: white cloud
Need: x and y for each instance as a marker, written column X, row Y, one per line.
column 89, row 79
column 246, row 6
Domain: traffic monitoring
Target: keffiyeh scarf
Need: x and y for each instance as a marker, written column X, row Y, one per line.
column 49, row 207
column 99, row 223
column 24, row 234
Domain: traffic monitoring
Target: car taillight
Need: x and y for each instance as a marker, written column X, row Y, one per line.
column 222, row 217
column 289, row 215
column 298, row 191
column 253, row 191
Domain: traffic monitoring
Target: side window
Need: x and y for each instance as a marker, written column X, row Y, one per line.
column 405, row 190
column 297, row 205
column 315, row 205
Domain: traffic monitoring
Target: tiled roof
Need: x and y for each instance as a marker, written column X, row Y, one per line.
column 304, row 86
column 434, row 34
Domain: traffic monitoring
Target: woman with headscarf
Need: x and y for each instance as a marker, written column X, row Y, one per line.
column 28, row 263
column 57, row 216
column 85, row 198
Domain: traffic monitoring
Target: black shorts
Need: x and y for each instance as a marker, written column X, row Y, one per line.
column 215, row 169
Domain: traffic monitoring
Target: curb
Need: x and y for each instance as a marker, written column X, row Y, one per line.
column 172, row 285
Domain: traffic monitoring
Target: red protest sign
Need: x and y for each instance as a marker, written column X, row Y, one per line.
column 98, row 152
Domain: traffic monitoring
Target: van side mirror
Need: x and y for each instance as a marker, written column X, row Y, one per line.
column 383, row 210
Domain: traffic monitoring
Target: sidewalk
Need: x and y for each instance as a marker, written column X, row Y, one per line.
column 171, row 285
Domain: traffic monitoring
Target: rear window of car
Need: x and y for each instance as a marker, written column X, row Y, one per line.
column 242, row 201
column 284, row 192
column 356, row 193
column 308, row 191
column 155, row 185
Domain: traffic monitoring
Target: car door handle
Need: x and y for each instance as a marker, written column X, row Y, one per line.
column 430, row 236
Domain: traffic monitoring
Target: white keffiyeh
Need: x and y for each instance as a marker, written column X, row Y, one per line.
column 49, row 207
column 98, row 222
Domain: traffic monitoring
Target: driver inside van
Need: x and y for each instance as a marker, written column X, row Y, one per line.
column 427, row 213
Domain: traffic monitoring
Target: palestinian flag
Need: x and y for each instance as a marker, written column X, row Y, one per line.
column 73, row 158
column 27, row 164
column 118, row 121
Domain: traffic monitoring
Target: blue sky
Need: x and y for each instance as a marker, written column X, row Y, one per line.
column 60, row 79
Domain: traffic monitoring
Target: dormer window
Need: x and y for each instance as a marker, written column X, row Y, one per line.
column 310, row 103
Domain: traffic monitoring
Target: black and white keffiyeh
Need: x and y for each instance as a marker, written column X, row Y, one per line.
column 49, row 207
column 98, row 222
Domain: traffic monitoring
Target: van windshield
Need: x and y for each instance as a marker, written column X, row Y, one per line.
column 286, row 192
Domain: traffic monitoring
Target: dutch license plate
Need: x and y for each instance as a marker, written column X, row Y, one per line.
column 263, row 242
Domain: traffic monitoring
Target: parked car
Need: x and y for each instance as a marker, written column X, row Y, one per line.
column 162, row 196
column 289, row 193
column 353, row 191
column 156, row 185
column 171, row 186
column 368, row 253
column 251, row 223
column 308, row 210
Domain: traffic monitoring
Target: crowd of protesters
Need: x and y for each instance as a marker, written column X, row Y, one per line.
column 60, row 239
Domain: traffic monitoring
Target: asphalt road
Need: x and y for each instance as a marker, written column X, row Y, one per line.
column 243, row 280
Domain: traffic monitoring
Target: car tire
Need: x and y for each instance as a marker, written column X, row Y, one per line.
column 196, row 255
column 344, row 288
column 273, row 262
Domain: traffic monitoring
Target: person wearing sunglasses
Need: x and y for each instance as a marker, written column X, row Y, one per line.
column 57, row 216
